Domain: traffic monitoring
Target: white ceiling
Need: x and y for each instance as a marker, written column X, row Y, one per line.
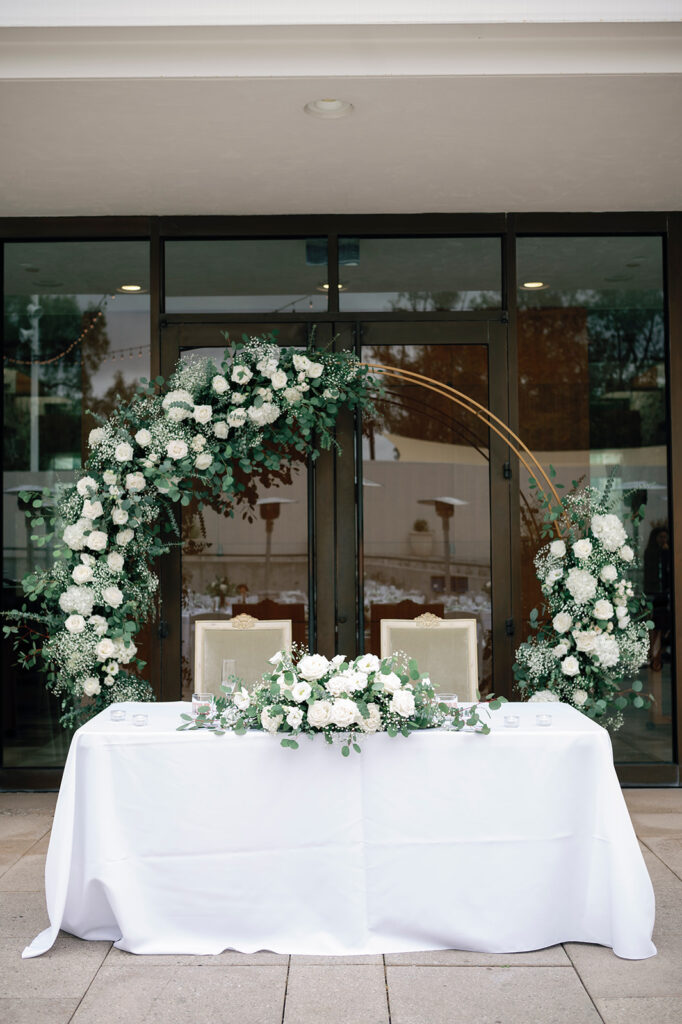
column 449, row 119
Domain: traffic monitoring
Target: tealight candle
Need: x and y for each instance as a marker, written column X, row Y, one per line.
column 117, row 715
column 512, row 721
column 140, row 719
column 543, row 719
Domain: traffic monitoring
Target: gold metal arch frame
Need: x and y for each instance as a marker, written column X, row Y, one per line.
column 494, row 423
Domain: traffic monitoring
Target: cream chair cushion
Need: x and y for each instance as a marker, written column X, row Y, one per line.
column 444, row 649
column 248, row 641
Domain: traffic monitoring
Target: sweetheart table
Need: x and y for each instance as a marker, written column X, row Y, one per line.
column 170, row 842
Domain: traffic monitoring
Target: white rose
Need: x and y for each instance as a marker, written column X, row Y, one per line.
column 276, row 658
column 626, row 553
column 219, row 384
column 557, row 548
column 543, row 696
column 337, row 660
column 75, row 623
column 74, row 537
column 294, row 717
column 582, row 548
column 391, row 681
column 97, row 540
column 198, row 443
column 178, row 405
column 241, row 374
column 337, row 685
column 300, row 691
column 124, row 652
column 552, row 576
column 92, row 509
column 91, row 686
column 143, row 438
column 579, row 697
column 344, row 712
column 319, row 714
column 353, row 680
column 609, row 530
column 603, row 609
column 608, row 574
column 115, row 491
column 86, row 485
column 313, row 666
column 570, row 666
column 119, row 516
column 176, row 449
column 561, row 650
column 237, row 398
column 202, row 413
column 220, row 429
column 115, row 561
column 112, row 596
column 267, row 367
column 99, row 624
column 586, row 640
column 96, row 436
column 368, row 663
column 82, row 574
column 301, row 363
column 124, row 537
column 315, row 370
column 402, row 703
column 373, row 723
column 123, row 452
column 109, row 680
column 135, row 482
column 109, row 477
column 241, row 699
column 270, row 723
column 264, row 414
column 88, row 559
column 203, row 460
column 562, row 622
column 582, row 585
column 105, row 649
column 236, row 418
column 607, row 650
column 279, row 380
column 292, row 395
column 111, row 668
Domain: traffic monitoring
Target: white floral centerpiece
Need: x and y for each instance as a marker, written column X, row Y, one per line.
column 309, row 694
column 596, row 634
column 204, row 434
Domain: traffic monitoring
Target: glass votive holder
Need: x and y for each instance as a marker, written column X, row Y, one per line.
column 543, row 719
column 512, row 721
column 140, row 719
column 117, row 715
column 202, row 703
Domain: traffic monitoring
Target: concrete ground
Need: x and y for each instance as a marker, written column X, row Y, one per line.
column 93, row 983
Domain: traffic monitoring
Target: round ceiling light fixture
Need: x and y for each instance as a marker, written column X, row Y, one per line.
column 328, row 108
column 323, row 286
column 130, row 288
column 534, row 286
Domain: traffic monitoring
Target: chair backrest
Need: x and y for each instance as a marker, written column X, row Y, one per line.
column 444, row 649
column 249, row 642
column 267, row 610
column 401, row 610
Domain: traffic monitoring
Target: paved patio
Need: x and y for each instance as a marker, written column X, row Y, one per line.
column 88, row 982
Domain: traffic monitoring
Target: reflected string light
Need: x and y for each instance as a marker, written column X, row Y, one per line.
column 54, row 359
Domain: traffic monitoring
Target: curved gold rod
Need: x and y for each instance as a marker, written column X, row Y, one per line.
column 479, row 411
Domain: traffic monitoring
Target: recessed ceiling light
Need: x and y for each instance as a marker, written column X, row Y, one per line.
column 534, row 286
column 323, row 286
column 130, row 288
column 328, row 108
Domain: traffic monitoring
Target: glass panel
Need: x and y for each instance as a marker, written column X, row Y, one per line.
column 73, row 342
column 426, row 494
column 592, row 399
column 255, row 562
column 420, row 274
column 242, row 276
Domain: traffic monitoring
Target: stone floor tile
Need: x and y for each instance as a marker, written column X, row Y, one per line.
column 646, row 1010
column 17, row 825
column 553, row 956
column 65, row 971
column 336, row 961
column 37, row 1010
column 488, row 995
column 650, row 824
column 653, row 801
column 26, row 875
column 608, row 976
column 28, row 803
column 123, row 994
column 11, row 850
column 350, row 994
column 23, row 915
column 229, row 958
column 669, row 850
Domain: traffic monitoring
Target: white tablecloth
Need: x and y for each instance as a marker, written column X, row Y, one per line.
column 172, row 842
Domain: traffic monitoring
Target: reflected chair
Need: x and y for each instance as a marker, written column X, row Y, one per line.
column 249, row 642
column 402, row 610
column 267, row 610
column 444, row 649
